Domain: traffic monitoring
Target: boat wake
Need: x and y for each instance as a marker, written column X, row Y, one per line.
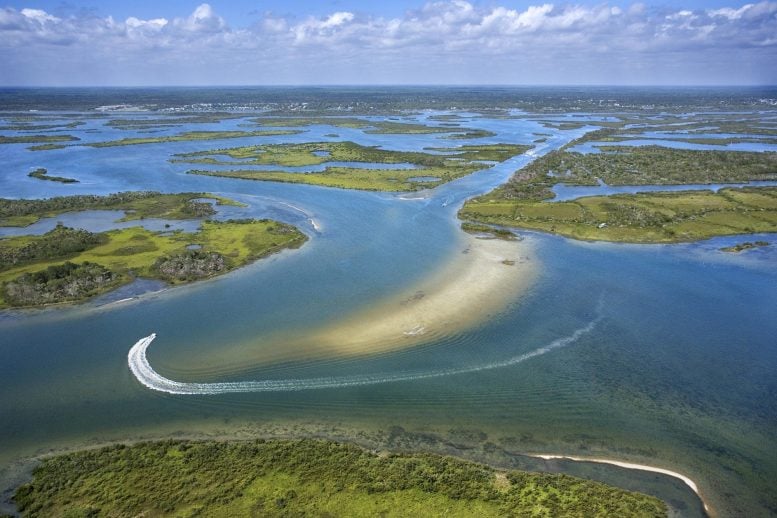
column 146, row 375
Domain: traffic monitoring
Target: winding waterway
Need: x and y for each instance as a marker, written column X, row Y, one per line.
column 662, row 355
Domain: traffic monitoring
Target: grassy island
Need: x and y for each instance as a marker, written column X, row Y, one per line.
column 137, row 204
column 42, row 174
column 70, row 265
column 374, row 127
column 443, row 166
column 304, row 478
column 190, row 136
column 37, row 139
column 659, row 217
column 747, row 245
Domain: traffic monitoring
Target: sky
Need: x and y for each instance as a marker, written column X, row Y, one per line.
column 272, row 42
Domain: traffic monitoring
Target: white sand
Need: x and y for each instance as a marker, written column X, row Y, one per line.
column 474, row 286
column 629, row 465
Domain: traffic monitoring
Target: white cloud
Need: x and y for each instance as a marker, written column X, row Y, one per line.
column 156, row 23
column 446, row 40
column 39, row 15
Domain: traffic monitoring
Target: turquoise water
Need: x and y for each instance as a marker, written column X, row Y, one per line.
column 677, row 369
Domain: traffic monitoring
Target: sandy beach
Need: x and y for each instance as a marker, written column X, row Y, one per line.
column 629, row 465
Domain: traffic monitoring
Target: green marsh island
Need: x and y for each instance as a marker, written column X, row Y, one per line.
column 428, row 169
column 71, row 265
column 526, row 200
column 305, row 478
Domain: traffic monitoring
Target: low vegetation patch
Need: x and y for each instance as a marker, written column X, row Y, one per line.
column 139, row 205
column 304, row 478
column 661, row 217
column 67, row 265
column 42, row 174
column 36, row 139
column 446, row 165
column 747, row 245
column 645, row 217
column 374, row 127
column 191, row 136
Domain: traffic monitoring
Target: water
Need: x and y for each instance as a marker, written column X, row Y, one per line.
column 663, row 354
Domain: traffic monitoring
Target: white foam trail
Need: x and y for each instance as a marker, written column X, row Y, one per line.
column 146, row 375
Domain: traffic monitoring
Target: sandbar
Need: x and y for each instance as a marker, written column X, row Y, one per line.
column 481, row 279
column 475, row 285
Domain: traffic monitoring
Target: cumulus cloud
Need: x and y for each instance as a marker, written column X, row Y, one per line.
column 441, row 41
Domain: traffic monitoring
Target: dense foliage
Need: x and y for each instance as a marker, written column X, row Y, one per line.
column 58, row 283
column 42, row 174
column 190, row 265
column 175, row 257
column 304, row 478
column 139, row 204
column 61, row 242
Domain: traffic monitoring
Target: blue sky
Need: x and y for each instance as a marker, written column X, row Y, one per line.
column 398, row 42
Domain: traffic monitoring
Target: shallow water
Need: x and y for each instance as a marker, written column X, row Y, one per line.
column 676, row 368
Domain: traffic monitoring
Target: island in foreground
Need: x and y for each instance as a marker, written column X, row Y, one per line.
column 301, row 478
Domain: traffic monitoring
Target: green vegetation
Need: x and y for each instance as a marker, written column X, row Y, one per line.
column 59, row 283
column 41, row 127
column 294, row 122
column 139, row 205
column 484, row 152
column 374, row 127
column 172, row 120
column 480, row 229
column 448, row 165
column 34, row 139
column 747, row 245
column 470, row 134
column 41, row 174
column 67, row 265
column 646, row 217
column 660, row 217
column 57, row 243
column 304, row 478
column 46, row 147
column 650, row 165
column 191, row 136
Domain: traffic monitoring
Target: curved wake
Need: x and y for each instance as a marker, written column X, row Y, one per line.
column 146, row 375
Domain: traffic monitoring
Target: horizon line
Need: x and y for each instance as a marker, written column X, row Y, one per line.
column 424, row 85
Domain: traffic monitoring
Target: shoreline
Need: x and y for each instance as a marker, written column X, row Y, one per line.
column 630, row 465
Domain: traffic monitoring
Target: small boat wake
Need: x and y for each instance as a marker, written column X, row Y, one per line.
column 146, row 375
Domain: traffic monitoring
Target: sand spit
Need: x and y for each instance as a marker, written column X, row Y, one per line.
column 478, row 283
column 629, row 465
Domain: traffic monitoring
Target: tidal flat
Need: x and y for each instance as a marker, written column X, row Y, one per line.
column 643, row 361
